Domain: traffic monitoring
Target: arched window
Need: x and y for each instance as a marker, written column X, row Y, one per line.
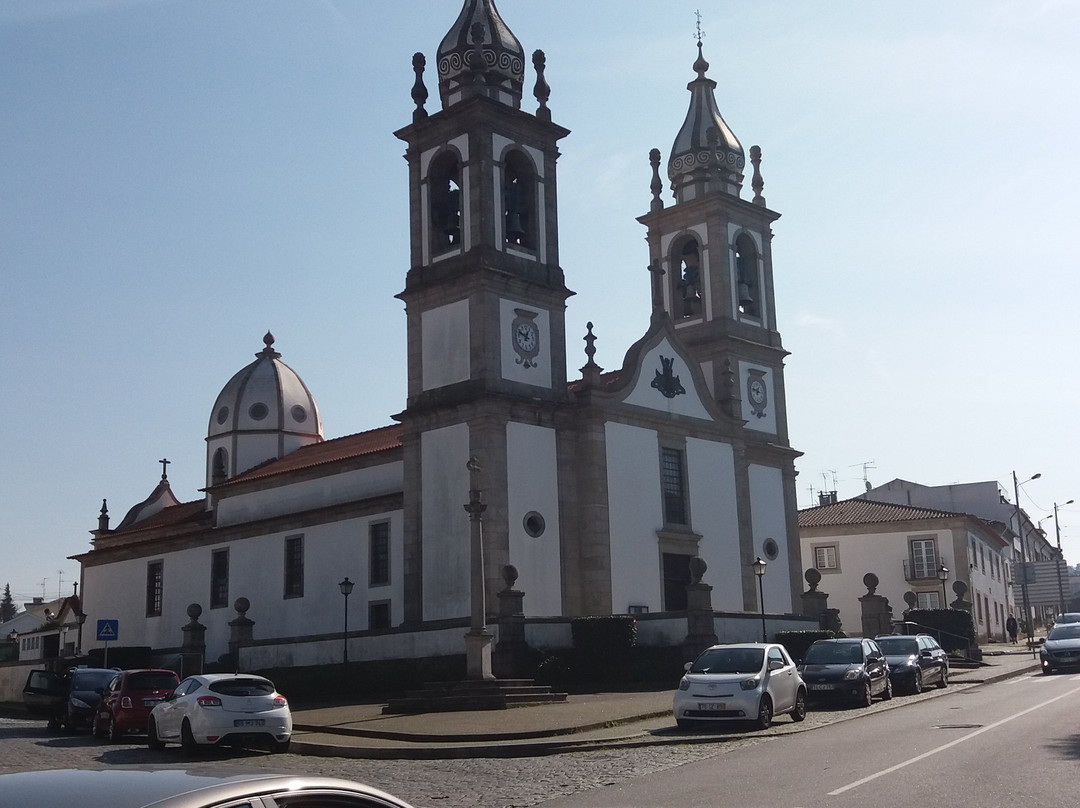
column 219, row 470
column 444, row 189
column 748, row 294
column 687, row 279
column 519, row 201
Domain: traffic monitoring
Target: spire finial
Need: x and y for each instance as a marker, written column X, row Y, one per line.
column 698, row 34
column 591, row 371
column 541, row 91
column 656, row 186
column 419, row 91
column 757, row 183
column 268, row 349
column 164, row 469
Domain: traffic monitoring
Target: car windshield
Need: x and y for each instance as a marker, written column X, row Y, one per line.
column 90, row 679
column 243, row 687
column 729, row 660
column 895, row 646
column 152, row 681
column 1064, row 631
column 828, row 653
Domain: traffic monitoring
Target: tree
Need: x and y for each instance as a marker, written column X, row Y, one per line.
column 7, row 605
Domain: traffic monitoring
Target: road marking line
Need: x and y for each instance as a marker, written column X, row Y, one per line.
column 950, row 744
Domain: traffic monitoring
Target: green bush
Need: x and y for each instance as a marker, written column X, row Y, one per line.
column 952, row 628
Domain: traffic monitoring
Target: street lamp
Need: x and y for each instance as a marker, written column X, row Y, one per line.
column 81, row 618
column 943, row 576
column 1023, row 557
column 759, row 570
column 346, row 589
column 1060, row 559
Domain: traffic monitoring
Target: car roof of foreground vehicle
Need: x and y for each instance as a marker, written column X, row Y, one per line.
column 168, row 788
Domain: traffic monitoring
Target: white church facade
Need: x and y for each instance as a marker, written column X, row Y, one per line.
column 598, row 488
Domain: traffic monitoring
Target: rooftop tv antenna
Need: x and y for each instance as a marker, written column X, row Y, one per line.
column 869, row 464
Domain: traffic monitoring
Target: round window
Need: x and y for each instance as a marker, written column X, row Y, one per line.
column 534, row 524
column 223, row 415
column 771, row 549
column 299, row 414
column 258, row 411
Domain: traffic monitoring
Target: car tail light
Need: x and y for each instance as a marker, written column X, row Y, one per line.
column 281, row 701
column 208, row 701
column 125, row 702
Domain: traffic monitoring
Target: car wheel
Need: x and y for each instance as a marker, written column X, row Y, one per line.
column 916, row 682
column 96, row 729
column 115, row 734
column 764, row 713
column 187, row 740
column 685, row 723
column 943, row 682
column 866, row 699
column 886, row 694
column 279, row 747
column 54, row 722
column 798, row 712
column 152, row 739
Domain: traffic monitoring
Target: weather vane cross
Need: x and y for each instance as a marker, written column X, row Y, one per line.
column 164, row 467
column 698, row 33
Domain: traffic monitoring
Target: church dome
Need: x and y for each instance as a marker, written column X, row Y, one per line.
column 263, row 413
column 503, row 70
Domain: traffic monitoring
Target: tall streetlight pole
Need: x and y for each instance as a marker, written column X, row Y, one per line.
column 1060, row 560
column 1023, row 555
column 943, row 576
column 759, row 570
column 346, row 588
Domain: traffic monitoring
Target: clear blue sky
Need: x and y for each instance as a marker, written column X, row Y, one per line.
column 178, row 177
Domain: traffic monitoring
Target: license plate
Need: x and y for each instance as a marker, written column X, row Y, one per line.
column 150, row 702
column 821, row 687
column 249, row 722
column 711, row 706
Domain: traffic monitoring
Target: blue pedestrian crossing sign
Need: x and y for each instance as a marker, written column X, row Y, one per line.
column 108, row 630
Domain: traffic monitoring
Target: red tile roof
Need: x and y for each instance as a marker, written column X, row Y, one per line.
column 864, row 511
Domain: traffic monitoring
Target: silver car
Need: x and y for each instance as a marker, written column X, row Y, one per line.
column 740, row 682
column 176, row 788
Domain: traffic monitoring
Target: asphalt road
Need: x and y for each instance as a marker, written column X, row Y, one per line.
column 991, row 745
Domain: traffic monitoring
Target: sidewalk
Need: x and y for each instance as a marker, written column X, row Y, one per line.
column 581, row 723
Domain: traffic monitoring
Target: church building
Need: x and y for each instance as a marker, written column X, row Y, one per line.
column 598, row 487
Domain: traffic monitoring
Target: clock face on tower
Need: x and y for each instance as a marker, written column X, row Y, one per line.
column 525, row 337
column 757, row 392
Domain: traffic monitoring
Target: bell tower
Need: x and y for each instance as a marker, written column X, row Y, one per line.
column 711, row 263
column 484, row 295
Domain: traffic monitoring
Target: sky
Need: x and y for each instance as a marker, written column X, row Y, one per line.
column 177, row 177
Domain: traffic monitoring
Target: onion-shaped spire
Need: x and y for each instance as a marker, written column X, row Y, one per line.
column 480, row 55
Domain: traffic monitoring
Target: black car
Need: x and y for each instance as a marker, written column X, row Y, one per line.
column 850, row 669
column 914, row 660
column 1062, row 648
column 66, row 699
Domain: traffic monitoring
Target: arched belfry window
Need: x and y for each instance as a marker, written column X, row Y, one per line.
column 747, row 289
column 687, row 278
column 219, row 470
column 444, row 188
column 519, row 201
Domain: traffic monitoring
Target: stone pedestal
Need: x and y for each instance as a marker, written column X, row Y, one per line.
column 511, row 651
column 700, row 626
column 813, row 603
column 193, row 648
column 877, row 615
column 478, row 654
column 241, row 630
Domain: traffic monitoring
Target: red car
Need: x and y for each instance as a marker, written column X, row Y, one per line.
column 127, row 701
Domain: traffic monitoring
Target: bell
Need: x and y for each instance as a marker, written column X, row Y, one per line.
column 515, row 233
column 746, row 299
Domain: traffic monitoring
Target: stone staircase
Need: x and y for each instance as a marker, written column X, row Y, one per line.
column 473, row 694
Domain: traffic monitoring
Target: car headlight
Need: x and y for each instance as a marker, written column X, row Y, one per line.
column 684, row 684
column 80, row 704
column 750, row 684
column 852, row 673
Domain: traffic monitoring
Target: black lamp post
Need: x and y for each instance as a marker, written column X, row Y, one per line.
column 759, row 570
column 81, row 618
column 1024, row 560
column 346, row 589
column 943, row 576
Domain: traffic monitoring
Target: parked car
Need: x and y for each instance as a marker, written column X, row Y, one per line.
column 127, row 701
column 1068, row 617
column 739, row 682
column 177, row 788
column 66, row 699
column 914, row 660
column 1061, row 649
column 228, row 709
column 850, row 668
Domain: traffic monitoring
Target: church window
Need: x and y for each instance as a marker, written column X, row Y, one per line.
column 444, row 189
column 676, row 579
column 826, row 558
column 519, row 201
column 673, row 486
column 223, row 415
column 379, row 614
column 258, row 411
column 299, row 414
column 219, row 579
column 220, row 466
column 379, row 554
column 294, row 567
column 688, row 279
column 155, row 584
column 746, row 277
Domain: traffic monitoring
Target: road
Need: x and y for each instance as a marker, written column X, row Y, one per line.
column 1011, row 743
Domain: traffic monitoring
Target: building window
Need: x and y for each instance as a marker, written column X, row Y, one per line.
column 444, row 188
column 923, row 559
column 826, row 557
column 219, row 579
column 379, row 554
column 379, row 614
column 676, row 579
column 929, row 600
column 294, row 567
column 673, row 486
column 155, row 580
column 519, row 201
column 746, row 277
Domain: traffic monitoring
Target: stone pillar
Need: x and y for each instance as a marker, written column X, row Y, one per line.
column 509, row 654
column 193, row 649
column 814, row 603
column 240, row 630
column 700, row 626
column 876, row 611
column 478, row 640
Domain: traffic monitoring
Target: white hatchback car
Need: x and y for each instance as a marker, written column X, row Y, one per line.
column 740, row 682
column 230, row 709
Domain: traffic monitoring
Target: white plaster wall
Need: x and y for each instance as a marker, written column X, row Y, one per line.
column 711, row 476
column 645, row 395
column 328, row 650
column 766, row 423
column 445, row 525
column 317, row 493
column 532, row 485
column 767, row 521
column 444, row 336
column 635, row 515
column 255, row 448
column 256, row 571
column 512, row 366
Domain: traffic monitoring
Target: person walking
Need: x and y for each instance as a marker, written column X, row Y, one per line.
column 1011, row 627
